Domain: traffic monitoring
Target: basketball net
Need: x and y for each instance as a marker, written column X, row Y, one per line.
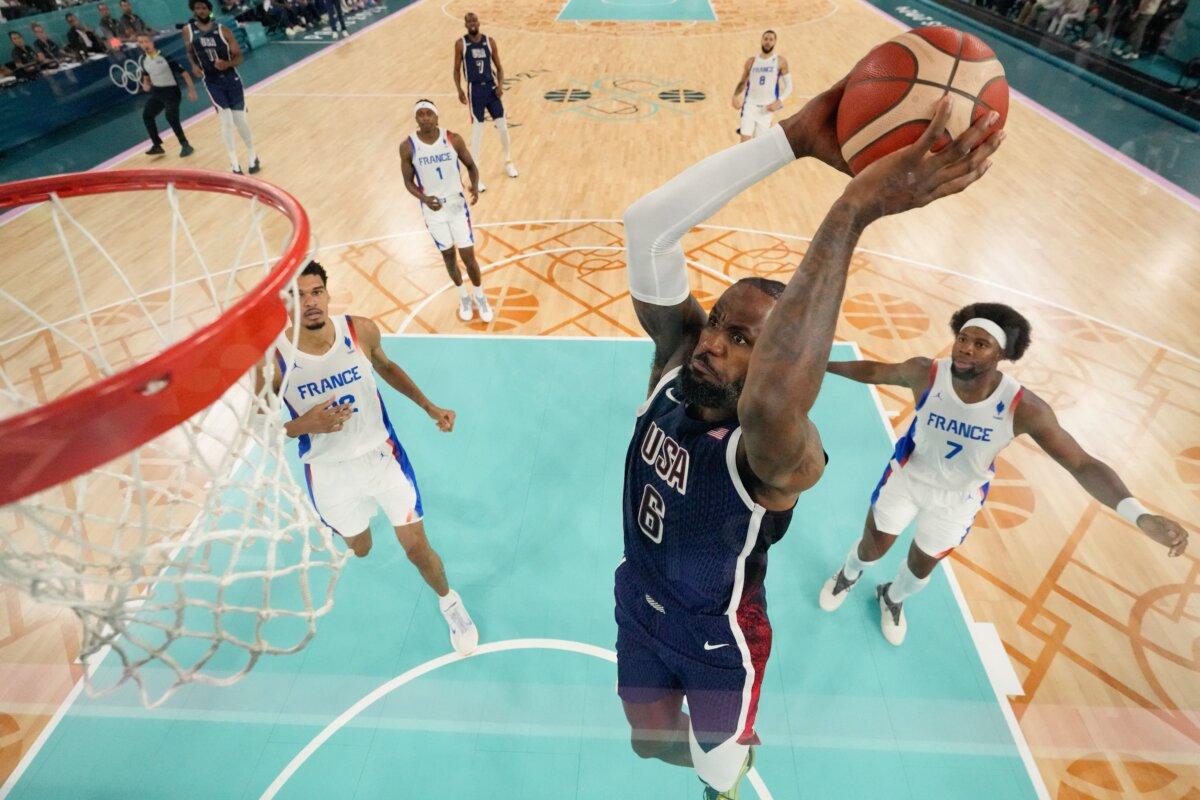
column 194, row 553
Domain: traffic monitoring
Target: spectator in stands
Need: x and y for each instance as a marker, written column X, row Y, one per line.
column 110, row 27
column 307, row 12
column 81, row 40
column 46, row 46
column 133, row 24
column 25, row 59
column 1141, row 18
column 1070, row 11
column 1036, row 13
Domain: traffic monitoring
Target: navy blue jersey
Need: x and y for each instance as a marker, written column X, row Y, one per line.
column 695, row 540
column 209, row 46
column 477, row 62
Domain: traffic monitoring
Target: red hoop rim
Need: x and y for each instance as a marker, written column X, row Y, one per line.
column 84, row 429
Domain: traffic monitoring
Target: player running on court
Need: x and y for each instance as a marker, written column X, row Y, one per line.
column 723, row 446
column 429, row 160
column 967, row 412
column 765, row 84
column 214, row 55
column 353, row 462
column 478, row 57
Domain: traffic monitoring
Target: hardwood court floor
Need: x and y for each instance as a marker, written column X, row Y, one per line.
column 1101, row 628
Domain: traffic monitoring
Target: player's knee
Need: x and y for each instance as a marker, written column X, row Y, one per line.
column 359, row 545
column 645, row 747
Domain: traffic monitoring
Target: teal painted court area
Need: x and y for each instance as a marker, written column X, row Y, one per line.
column 638, row 10
column 523, row 502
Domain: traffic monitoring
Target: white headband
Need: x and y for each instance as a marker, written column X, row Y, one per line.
column 425, row 104
column 986, row 324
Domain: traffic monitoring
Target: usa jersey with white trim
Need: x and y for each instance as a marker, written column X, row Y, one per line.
column 695, row 541
column 477, row 62
column 343, row 373
column 436, row 166
column 763, row 86
column 952, row 444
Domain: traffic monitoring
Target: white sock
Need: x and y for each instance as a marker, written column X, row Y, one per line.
column 906, row 584
column 450, row 599
column 462, row 291
column 239, row 119
column 854, row 565
column 478, row 290
column 225, row 117
column 476, row 140
column 505, row 141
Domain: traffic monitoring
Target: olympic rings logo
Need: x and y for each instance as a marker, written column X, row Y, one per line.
column 128, row 76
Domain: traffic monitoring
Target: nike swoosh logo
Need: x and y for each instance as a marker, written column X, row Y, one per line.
column 671, row 395
column 708, row 646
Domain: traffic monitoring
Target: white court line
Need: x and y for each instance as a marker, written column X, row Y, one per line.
column 563, row 645
column 902, row 259
column 419, row 307
column 1035, row 776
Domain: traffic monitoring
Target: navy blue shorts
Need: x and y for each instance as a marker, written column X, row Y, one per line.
column 483, row 98
column 718, row 670
column 227, row 93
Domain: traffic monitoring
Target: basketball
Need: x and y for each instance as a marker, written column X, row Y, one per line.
column 890, row 94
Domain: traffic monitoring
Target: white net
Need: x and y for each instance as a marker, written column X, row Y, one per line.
column 196, row 553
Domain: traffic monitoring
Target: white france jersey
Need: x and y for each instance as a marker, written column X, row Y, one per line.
column 342, row 373
column 436, row 166
column 952, row 444
column 763, row 88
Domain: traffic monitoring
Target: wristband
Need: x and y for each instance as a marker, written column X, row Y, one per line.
column 1131, row 509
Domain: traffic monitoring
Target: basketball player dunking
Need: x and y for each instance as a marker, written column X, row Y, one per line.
column 429, row 160
column 967, row 412
column 765, row 84
column 723, row 446
column 478, row 57
column 214, row 55
column 353, row 462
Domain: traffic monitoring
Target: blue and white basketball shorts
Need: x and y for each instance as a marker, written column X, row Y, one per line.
column 227, row 92
column 450, row 226
column 483, row 97
column 717, row 667
column 347, row 494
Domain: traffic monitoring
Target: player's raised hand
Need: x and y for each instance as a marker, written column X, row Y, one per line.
column 915, row 176
column 1167, row 532
column 444, row 417
column 812, row 131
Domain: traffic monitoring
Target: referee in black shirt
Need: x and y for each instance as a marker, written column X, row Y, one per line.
column 159, row 79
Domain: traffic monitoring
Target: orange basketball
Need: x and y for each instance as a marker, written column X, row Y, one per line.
column 891, row 93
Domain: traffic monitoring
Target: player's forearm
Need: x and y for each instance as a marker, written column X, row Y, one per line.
column 790, row 358
column 741, row 87
column 1102, row 482
column 861, row 371
column 187, row 79
column 398, row 379
column 413, row 189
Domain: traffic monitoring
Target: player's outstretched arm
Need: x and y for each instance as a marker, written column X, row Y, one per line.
column 395, row 377
column 1035, row 417
column 781, row 445
column 911, row 374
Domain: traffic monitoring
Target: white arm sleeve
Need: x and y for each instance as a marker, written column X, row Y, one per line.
column 655, row 224
column 785, row 86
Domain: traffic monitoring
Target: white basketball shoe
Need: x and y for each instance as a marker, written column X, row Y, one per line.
column 464, row 636
column 485, row 310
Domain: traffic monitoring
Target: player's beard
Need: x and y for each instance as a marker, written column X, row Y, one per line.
column 767, row 50
column 722, row 397
column 966, row 374
column 314, row 326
